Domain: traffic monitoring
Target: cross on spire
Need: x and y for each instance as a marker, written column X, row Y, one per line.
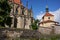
column 47, row 9
column 27, row 4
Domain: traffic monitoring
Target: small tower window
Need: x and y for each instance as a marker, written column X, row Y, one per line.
column 48, row 17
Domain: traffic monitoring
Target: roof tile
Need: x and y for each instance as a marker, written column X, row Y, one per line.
column 48, row 14
column 16, row 1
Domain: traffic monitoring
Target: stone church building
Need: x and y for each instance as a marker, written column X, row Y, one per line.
column 22, row 17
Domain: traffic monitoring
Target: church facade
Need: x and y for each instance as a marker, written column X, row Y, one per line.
column 22, row 17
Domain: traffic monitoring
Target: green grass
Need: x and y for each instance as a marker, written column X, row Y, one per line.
column 51, row 37
column 2, row 27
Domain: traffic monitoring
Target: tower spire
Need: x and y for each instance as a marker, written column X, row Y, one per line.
column 47, row 9
column 31, row 11
column 27, row 4
column 31, row 8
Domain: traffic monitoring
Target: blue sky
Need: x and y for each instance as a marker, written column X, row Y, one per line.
column 39, row 5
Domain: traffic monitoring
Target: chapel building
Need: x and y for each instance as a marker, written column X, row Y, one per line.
column 48, row 20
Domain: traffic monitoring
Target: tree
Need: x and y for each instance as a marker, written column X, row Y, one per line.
column 5, row 9
column 35, row 25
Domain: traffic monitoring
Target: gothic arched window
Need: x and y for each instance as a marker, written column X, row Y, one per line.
column 16, row 10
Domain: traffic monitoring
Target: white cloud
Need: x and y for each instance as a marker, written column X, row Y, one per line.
column 55, row 13
column 40, row 15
